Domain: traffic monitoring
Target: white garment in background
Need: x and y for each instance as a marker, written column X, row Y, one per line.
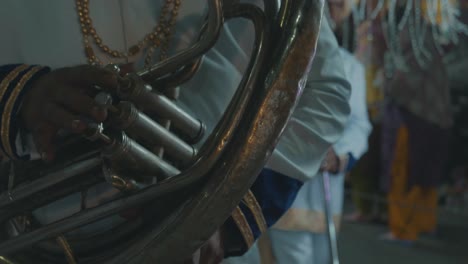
column 300, row 235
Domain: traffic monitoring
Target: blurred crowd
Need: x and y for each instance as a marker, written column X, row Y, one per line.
column 404, row 141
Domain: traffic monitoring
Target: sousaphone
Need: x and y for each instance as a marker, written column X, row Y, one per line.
column 146, row 151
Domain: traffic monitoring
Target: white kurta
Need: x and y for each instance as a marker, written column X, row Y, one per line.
column 48, row 33
column 353, row 141
column 300, row 235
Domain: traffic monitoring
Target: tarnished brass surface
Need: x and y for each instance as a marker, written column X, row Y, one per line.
column 4, row 260
column 62, row 241
column 252, row 143
column 224, row 168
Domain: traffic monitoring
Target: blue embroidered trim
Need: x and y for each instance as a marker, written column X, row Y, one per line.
column 275, row 193
column 10, row 88
column 351, row 162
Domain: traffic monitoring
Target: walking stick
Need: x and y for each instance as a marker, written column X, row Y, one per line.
column 329, row 217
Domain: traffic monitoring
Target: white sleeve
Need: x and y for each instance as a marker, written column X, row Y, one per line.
column 358, row 127
column 319, row 119
column 25, row 146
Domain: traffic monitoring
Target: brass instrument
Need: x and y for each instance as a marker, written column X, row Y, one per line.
column 186, row 193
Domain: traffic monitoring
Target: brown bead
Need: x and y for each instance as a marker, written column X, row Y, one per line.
column 89, row 52
column 158, row 39
column 134, row 50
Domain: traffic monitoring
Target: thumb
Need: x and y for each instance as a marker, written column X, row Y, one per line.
column 43, row 137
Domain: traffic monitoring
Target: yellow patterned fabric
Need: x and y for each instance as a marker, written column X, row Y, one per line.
column 375, row 94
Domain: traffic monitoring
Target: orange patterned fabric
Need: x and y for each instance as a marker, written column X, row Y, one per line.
column 411, row 211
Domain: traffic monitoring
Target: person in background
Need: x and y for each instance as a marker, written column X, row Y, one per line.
column 416, row 129
column 300, row 235
column 365, row 178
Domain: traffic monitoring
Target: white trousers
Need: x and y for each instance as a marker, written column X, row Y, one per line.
column 291, row 247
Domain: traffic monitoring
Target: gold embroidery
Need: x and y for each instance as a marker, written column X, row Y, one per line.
column 7, row 80
column 4, row 260
column 251, row 202
column 4, row 87
column 6, row 118
column 241, row 222
column 62, row 241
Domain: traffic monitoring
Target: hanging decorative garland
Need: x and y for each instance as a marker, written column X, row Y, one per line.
column 440, row 17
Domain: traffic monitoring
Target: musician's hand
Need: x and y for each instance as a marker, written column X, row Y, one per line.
column 62, row 99
column 212, row 252
column 331, row 163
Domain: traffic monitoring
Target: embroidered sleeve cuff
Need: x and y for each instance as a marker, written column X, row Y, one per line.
column 15, row 80
column 271, row 195
column 351, row 162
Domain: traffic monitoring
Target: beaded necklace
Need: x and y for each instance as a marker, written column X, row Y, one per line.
column 159, row 37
